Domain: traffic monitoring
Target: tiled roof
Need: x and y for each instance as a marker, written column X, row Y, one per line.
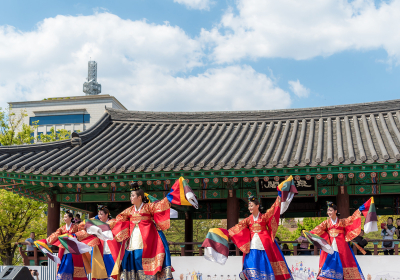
column 134, row 141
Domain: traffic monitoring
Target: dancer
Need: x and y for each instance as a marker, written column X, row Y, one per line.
column 255, row 237
column 337, row 260
column 137, row 224
column 105, row 252
column 72, row 265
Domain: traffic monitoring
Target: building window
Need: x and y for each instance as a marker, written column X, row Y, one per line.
column 61, row 119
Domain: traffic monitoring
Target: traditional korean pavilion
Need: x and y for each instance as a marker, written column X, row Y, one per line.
column 337, row 153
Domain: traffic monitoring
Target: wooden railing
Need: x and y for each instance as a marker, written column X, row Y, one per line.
column 199, row 251
column 37, row 257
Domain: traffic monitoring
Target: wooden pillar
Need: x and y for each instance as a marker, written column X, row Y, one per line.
column 232, row 209
column 295, row 249
column 53, row 215
column 188, row 233
column 343, row 202
column 354, row 249
column 23, row 255
column 35, row 256
column 92, row 215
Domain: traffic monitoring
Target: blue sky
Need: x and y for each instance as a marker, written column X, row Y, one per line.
column 201, row 55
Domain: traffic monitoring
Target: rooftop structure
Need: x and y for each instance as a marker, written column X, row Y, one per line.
column 92, row 87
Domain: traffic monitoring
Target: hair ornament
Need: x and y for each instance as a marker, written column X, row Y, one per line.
column 329, row 203
column 252, row 198
column 101, row 207
column 135, row 186
column 146, row 199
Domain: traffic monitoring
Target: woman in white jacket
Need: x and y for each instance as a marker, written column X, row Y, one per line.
column 387, row 234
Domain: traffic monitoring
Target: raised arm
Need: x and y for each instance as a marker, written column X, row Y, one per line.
column 54, row 236
column 352, row 219
column 271, row 217
column 352, row 225
column 160, row 213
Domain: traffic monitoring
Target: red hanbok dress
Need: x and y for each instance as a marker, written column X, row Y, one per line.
column 145, row 254
column 255, row 237
column 342, row 264
column 72, row 266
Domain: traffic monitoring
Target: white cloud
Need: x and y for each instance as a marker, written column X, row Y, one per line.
column 304, row 29
column 145, row 66
column 230, row 88
column 196, row 4
column 298, row 89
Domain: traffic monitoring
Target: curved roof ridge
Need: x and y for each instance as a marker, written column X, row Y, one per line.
column 256, row 115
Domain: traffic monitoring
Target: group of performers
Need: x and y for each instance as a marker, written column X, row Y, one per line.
column 139, row 250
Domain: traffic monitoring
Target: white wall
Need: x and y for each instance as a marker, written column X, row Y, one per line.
column 373, row 267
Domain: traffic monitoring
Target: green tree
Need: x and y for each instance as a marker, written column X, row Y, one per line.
column 53, row 135
column 308, row 224
column 13, row 130
column 283, row 233
column 176, row 232
column 18, row 217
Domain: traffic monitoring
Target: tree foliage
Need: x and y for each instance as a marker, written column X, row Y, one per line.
column 176, row 232
column 18, row 217
column 308, row 224
column 53, row 135
column 13, row 130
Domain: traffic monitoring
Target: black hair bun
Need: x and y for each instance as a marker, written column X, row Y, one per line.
column 135, row 186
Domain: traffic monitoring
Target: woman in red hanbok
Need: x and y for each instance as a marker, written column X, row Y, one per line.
column 145, row 256
column 254, row 236
column 342, row 264
column 72, row 266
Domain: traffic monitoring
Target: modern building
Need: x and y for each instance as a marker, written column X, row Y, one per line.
column 74, row 113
